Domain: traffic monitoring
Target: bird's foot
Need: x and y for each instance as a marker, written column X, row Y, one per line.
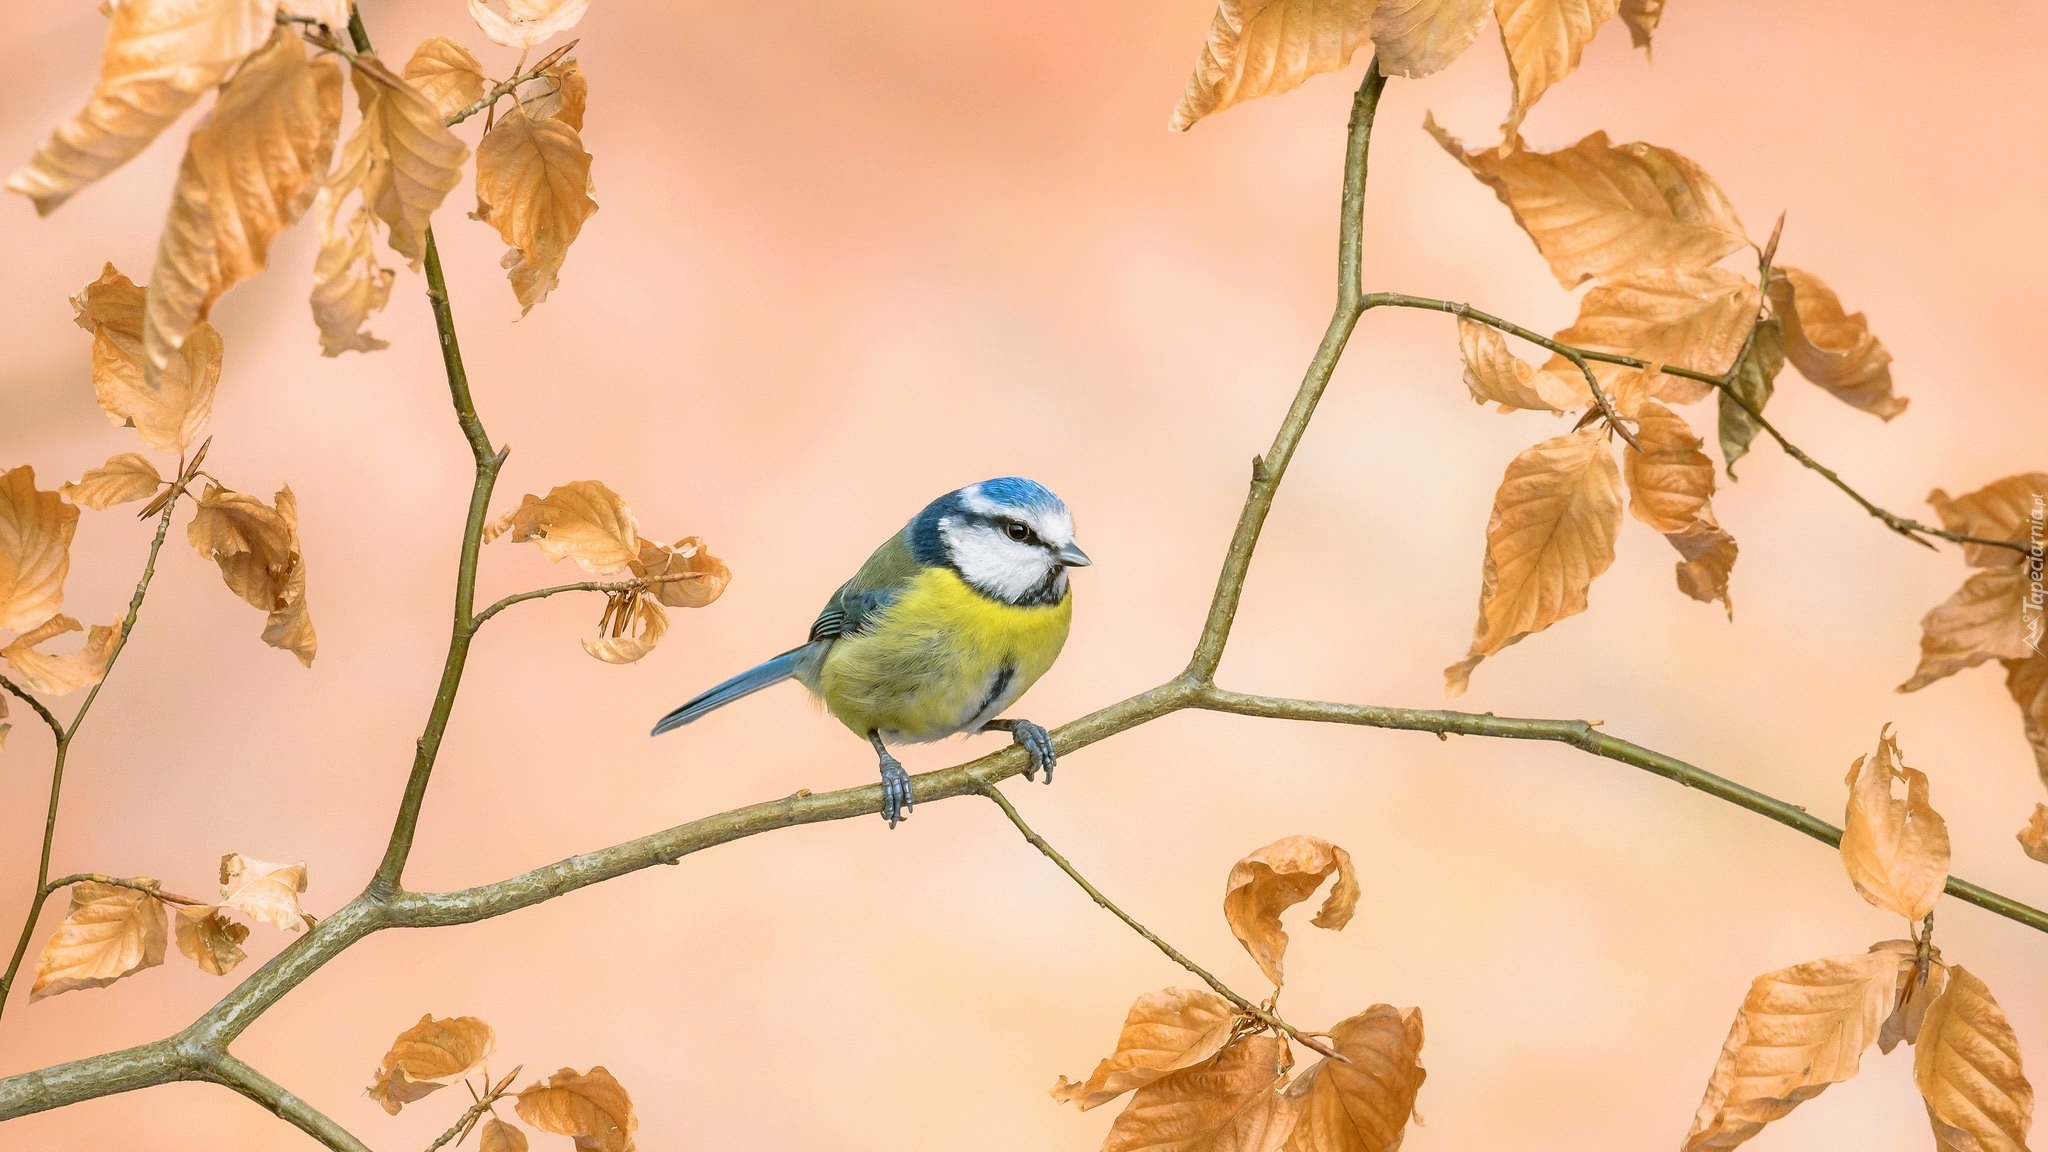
column 895, row 790
column 1037, row 743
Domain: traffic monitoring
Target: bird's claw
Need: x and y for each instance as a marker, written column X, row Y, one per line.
column 1037, row 743
column 895, row 791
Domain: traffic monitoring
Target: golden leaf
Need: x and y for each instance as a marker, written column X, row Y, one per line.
column 264, row 890
column 1641, row 16
column 1274, row 879
column 250, row 170
column 1494, row 374
column 562, row 94
column 1550, row 535
column 1799, row 1030
column 704, row 575
column 1914, row 993
column 1985, row 619
column 400, row 157
column 1967, row 1065
column 161, row 56
column 48, row 672
column 348, row 283
column 171, row 415
column 447, row 74
column 2001, row 510
column 1896, row 850
column 2027, row 681
column 533, row 186
column 1543, row 39
column 499, row 1136
column 35, row 549
column 1362, row 1106
column 591, row 1107
column 429, row 1056
column 110, row 932
column 1415, row 38
column 1596, row 209
column 1670, row 480
column 121, row 480
column 211, row 939
column 1231, row 1103
column 643, row 624
column 2034, row 837
column 1267, row 47
column 1833, row 349
column 1706, row 559
column 1164, row 1032
column 1687, row 318
column 527, row 22
column 582, row 520
column 1755, row 379
column 257, row 548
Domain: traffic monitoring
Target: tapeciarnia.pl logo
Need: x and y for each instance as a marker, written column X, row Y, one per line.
column 2037, row 570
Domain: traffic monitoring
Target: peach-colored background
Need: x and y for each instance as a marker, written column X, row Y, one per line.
column 854, row 254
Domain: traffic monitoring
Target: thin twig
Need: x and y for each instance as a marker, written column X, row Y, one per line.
column 504, row 88
column 150, row 886
column 1268, row 1018
column 49, row 717
column 608, row 588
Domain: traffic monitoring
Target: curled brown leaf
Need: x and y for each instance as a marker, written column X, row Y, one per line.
column 57, row 673
column 170, row 415
column 1669, row 479
column 1164, row 1032
column 1967, row 1066
column 690, row 575
column 211, row 939
column 2034, row 837
column 533, row 185
column 1896, row 850
column 447, row 74
column 36, row 528
column 1544, row 39
column 1363, row 1106
column 257, row 548
column 1833, row 348
column 429, row 1056
column 1266, row 47
column 264, row 890
column 1492, row 373
column 1229, row 1103
column 592, row 1107
column 581, row 521
column 1277, row 877
column 122, row 479
column 111, row 931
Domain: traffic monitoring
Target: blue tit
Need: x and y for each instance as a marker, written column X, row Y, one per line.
column 944, row 627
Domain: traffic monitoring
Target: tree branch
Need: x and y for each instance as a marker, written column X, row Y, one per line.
column 49, row 717
column 580, row 586
column 226, row 1069
column 502, row 88
column 150, row 886
column 1268, row 1018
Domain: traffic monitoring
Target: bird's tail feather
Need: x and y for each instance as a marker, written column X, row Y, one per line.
column 745, row 684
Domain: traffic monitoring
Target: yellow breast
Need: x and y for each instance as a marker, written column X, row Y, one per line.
column 940, row 659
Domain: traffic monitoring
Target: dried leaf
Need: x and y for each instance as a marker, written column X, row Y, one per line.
column 257, row 548
column 55, row 674
column 1896, row 850
column 1914, row 993
column 170, row 416
column 348, row 283
column 1543, row 39
column 705, row 575
column 250, row 170
column 1687, row 318
column 1641, row 16
column 1670, row 480
column 1232, row 1103
column 429, row 1056
column 2033, row 838
column 499, row 1136
column 1755, row 379
column 1164, row 1032
column 2027, row 681
column 211, row 939
column 559, row 93
column 1967, row 1065
column 527, row 22
column 1706, row 559
column 110, row 932
column 1551, row 533
column 1596, row 209
column 533, row 186
column 400, row 157
column 161, row 56
column 1267, row 47
column 447, row 74
column 1799, row 1030
column 1362, row 1106
column 582, row 520
column 1986, row 619
column 1415, row 38
column 2015, row 508
column 35, row 549
column 1276, row 878
column 643, row 624
column 1833, row 349
column 121, row 480
column 591, row 1107
column 1494, row 374
column 264, row 890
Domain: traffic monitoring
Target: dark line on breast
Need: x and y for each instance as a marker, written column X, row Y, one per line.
column 1004, row 675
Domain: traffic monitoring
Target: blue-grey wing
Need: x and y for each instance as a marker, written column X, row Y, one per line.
column 858, row 601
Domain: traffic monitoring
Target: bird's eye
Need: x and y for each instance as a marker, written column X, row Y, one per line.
column 1016, row 530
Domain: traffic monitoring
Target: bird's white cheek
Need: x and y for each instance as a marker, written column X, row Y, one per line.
column 996, row 564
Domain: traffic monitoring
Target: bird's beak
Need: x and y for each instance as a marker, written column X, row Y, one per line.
column 1072, row 556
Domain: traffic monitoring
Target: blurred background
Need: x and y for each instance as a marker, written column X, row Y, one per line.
column 851, row 255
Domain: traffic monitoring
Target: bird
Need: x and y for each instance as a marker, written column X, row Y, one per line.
column 949, row 622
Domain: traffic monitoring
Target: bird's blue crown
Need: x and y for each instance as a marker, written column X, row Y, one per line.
column 1006, row 492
